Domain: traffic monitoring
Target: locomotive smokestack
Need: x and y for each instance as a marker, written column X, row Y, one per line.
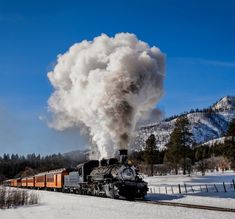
column 123, row 155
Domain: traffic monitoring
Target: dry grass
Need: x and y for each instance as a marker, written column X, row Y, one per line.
column 11, row 198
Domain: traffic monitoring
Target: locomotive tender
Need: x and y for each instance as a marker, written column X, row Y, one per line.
column 107, row 178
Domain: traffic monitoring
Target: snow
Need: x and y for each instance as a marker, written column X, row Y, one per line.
column 215, row 141
column 226, row 103
column 54, row 205
column 58, row 205
column 216, row 177
column 211, row 198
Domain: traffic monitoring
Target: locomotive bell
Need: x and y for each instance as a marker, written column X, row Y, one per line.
column 123, row 155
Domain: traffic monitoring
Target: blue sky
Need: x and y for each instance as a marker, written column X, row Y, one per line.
column 196, row 36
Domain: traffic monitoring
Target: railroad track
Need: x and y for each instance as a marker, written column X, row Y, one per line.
column 184, row 205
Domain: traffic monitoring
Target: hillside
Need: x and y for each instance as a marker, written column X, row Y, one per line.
column 205, row 125
column 77, row 155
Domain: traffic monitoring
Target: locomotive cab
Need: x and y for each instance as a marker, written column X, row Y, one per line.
column 86, row 168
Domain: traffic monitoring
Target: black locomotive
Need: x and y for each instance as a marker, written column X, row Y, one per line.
column 107, row 178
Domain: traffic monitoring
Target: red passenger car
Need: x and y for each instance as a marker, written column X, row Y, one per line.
column 55, row 179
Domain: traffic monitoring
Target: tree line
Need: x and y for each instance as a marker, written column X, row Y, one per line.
column 12, row 166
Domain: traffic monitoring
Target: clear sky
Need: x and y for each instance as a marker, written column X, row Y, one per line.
column 196, row 36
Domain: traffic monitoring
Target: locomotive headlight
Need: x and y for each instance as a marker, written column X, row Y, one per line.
column 128, row 174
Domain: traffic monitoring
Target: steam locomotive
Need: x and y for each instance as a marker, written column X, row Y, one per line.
column 107, row 178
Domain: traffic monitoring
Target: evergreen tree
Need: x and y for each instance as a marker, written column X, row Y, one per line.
column 228, row 148
column 150, row 152
column 231, row 128
column 15, row 165
column 178, row 148
column 202, row 153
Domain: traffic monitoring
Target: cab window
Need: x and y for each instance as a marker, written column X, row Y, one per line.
column 80, row 171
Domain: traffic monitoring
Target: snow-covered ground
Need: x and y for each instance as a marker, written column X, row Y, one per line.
column 54, row 205
column 211, row 198
column 216, row 177
column 70, row 206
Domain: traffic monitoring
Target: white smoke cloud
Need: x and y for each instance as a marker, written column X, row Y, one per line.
column 106, row 85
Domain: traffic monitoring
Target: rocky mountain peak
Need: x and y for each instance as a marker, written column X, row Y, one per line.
column 226, row 103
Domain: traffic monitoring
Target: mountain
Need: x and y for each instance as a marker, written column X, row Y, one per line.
column 205, row 125
column 77, row 155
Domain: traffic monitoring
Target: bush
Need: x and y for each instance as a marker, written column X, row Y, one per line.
column 10, row 198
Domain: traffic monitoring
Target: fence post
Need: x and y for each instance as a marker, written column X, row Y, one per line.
column 206, row 188
column 185, row 188
column 224, row 187
column 166, row 189
column 233, row 184
column 192, row 188
column 215, row 188
column 179, row 188
column 172, row 190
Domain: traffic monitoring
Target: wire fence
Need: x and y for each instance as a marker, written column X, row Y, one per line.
column 192, row 188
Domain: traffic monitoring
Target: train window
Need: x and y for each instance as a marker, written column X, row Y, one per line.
column 50, row 179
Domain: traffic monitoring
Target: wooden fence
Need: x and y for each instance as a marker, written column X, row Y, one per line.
column 192, row 188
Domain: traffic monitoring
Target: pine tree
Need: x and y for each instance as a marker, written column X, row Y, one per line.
column 150, row 152
column 229, row 144
column 231, row 129
column 202, row 154
column 178, row 148
column 229, row 150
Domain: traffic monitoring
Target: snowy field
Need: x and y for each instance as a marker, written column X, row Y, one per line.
column 55, row 205
column 211, row 198
column 193, row 179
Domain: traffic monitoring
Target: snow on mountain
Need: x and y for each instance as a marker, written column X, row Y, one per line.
column 205, row 125
column 220, row 140
column 77, row 155
column 226, row 103
column 215, row 141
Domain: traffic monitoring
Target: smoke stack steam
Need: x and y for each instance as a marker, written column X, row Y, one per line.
column 106, row 85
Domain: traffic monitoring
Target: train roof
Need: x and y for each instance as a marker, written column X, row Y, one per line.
column 30, row 176
column 7, row 180
column 61, row 170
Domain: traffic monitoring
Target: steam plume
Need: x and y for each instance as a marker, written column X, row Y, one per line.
column 106, row 85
